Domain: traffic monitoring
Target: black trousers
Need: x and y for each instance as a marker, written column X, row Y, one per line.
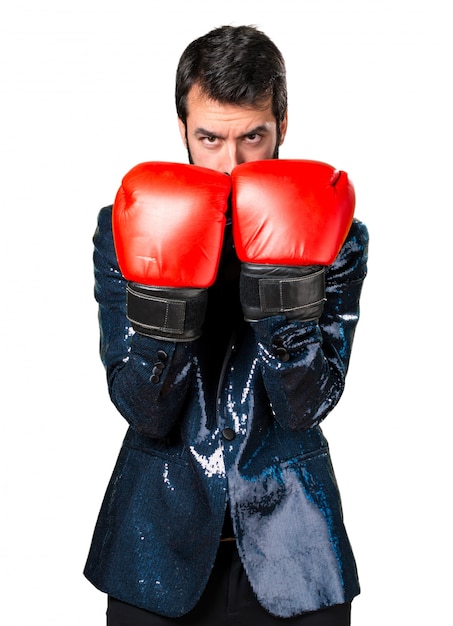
column 228, row 600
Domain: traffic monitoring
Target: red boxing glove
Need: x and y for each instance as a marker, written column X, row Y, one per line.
column 290, row 218
column 168, row 223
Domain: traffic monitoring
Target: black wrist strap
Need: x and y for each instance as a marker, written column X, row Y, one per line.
column 166, row 313
column 266, row 290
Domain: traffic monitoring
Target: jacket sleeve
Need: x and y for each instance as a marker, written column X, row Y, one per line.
column 304, row 364
column 147, row 378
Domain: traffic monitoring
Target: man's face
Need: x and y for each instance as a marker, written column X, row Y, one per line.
column 221, row 136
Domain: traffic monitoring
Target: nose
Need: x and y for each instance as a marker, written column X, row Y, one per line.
column 231, row 158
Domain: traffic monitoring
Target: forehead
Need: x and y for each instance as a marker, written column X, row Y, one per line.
column 203, row 110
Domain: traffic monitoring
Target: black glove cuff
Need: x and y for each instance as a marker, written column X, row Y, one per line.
column 166, row 313
column 298, row 292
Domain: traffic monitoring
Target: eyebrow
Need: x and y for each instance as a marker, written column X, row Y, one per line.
column 262, row 128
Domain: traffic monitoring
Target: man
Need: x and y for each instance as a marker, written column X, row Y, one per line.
column 228, row 294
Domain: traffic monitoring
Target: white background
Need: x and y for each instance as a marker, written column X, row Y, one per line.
column 86, row 92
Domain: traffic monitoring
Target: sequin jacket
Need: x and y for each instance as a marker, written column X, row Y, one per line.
column 232, row 417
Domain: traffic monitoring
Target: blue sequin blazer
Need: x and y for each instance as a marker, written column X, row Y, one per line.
column 229, row 422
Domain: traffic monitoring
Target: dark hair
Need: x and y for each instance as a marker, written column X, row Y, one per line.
column 233, row 65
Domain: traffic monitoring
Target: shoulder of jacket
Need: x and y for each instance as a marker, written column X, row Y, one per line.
column 358, row 232
column 105, row 214
column 351, row 262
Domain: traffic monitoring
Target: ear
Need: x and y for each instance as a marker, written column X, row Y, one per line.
column 283, row 128
column 182, row 131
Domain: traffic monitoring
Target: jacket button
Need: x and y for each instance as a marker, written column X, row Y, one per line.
column 163, row 356
column 282, row 354
column 228, row 434
column 157, row 372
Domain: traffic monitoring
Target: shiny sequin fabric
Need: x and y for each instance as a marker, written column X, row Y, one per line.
column 231, row 418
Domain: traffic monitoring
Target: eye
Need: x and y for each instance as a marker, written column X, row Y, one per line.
column 253, row 138
column 210, row 140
